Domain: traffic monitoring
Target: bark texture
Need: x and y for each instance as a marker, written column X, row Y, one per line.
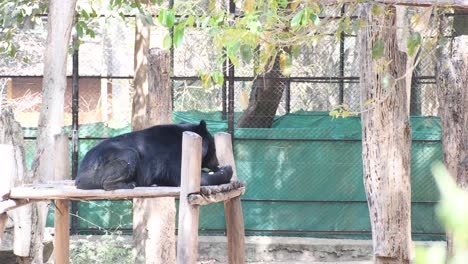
column 265, row 98
column 452, row 82
column 386, row 137
column 153, row 218
column 60, row 22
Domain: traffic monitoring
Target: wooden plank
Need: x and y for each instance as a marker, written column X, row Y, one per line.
column 62, row 231
column 187, row 240
column 50, row 192
column 224, row 152
column 7, row 157
column 235, row 231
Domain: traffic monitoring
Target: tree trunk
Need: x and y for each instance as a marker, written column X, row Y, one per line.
column 265, row 98
column 60, row 22
column 153, row 218
column 452, row 82
column 386, row 137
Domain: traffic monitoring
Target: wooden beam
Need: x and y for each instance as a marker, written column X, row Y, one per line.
column 62, row 231
column 47, row 192
column 187, row 240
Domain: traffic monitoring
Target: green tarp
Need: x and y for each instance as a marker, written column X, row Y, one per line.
column 303, row 175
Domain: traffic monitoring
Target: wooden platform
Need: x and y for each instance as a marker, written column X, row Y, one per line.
column 66, row 190
column 191, row 196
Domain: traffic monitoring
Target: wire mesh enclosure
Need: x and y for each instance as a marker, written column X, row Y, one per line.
column 303, row 168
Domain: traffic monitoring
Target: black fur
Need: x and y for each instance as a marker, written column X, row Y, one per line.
column 147, row 157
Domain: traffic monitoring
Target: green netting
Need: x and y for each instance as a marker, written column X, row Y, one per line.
column 304, row 174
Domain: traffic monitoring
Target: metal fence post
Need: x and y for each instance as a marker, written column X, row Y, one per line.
column 75, row 128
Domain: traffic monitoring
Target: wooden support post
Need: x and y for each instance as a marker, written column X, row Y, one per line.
column 153, row 219
column 233, row 207
column 7, row 157
column 62, row 232
column 187, row 240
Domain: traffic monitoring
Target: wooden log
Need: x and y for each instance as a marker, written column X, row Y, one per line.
column 62, row 157
column 235, row 230
column 233, row 207
column 154, row 234
column 62, row 231
column 187, row 240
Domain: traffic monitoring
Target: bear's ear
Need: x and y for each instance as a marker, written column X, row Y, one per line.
column 202, row 125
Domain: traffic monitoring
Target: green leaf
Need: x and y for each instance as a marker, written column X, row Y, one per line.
column 378, row 49
column 90, row 32
column 166, row 18
column 413, row 42
column 167, row 41
column 218, row 77
column 315, row 18
column 296, row 20
column 178, row 35
column 190, row 21
column 283, row 3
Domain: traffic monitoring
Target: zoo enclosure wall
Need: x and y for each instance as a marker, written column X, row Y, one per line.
column 306, row 168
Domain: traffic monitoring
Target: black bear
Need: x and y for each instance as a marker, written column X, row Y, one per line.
column 147, row 157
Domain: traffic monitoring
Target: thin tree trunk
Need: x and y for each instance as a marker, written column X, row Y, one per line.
column 386, row 137
column 265, row 98
column 60, row 22
column 153, row 218
column 452, row 82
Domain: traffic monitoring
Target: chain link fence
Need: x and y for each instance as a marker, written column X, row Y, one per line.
column 303, row 169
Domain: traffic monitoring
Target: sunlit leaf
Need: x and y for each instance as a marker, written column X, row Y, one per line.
column 296, row 20
column 178, row 35
column 167, row 41
column 190, row 21
column 285, row 64
column 218, row 77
